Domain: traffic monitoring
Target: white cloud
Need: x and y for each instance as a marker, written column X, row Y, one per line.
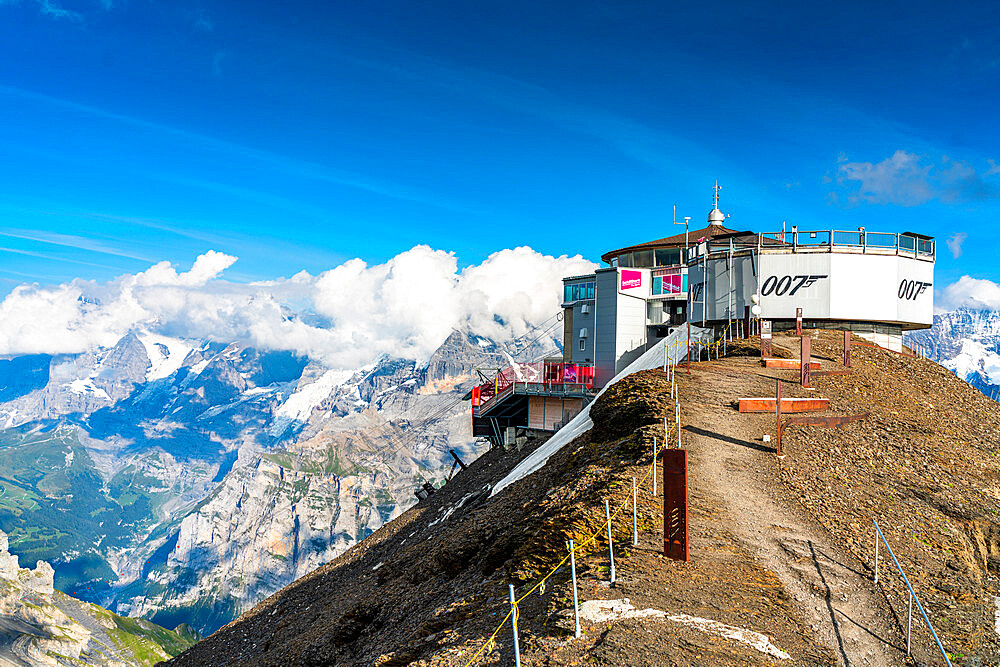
column 908, row 179
column 970, row 292
column 49, row 8
column 344, row 317
column 955, row 242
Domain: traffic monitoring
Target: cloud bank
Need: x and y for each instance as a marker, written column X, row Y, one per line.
column 908, row 179
column 344, row 317
column 972, row 293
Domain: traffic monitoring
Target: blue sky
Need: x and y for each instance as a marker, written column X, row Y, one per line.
column 298, row 135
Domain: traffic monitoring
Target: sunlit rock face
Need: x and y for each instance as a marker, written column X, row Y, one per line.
column 184, row 481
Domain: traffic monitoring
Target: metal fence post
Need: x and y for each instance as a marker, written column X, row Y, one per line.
column 513, row 623
column 909, row 623
column 876, row 557
column 654, row 466
column 635, row 520
column 576, row 606
column 611, row 545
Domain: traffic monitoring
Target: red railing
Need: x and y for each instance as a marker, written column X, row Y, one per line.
column 539, row 374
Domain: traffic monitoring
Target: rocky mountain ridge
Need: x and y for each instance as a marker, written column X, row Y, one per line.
column 185, row 480
column 42, row 626
column 967, row 342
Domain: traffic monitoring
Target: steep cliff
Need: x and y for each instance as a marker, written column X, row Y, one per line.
column 184, row 481
column 41, row 626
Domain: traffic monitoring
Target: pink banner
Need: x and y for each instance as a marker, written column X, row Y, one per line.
column 631, row 279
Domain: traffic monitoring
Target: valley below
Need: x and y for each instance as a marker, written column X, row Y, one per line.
column 183, row 481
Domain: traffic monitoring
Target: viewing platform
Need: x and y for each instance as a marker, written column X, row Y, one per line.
column 539, row 396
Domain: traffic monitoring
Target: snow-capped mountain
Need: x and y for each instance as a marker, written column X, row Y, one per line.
column 184, row 481
column 966, row 341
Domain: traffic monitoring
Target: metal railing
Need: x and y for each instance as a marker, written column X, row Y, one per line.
column 560, row 376
column 826, row 240
column 913, row 596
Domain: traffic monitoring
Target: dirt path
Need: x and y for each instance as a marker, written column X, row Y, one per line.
column 830, row 588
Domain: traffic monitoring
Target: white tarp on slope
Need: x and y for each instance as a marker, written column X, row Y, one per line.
column 581, row 423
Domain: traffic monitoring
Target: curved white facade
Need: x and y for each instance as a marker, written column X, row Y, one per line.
column 847, row 286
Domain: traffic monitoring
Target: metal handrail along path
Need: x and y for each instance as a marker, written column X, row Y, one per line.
column 913, row 595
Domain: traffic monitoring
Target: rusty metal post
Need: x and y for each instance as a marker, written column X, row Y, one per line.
column 847, row 349
column 798, row 321
column 777, row 413
column 765, row 338
column 675, row 504
column 806, row 361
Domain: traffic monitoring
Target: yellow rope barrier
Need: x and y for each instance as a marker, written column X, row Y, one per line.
column 576, row 548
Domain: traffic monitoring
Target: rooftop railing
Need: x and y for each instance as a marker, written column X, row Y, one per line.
column 829, row 240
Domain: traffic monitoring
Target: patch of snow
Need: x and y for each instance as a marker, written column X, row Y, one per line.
column 447, row 512
column 300, row 404
column 10, row 418
column 163, row 364
column 69, row 458
column 603, row 611
column 87, row 386
column 482, row 342
column 581, row 423
column 380, row 564
column 199, row 367
column 975, row 358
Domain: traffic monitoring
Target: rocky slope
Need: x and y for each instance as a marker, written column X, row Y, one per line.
column 781, row 557
column 184, row 481
column 41, row 626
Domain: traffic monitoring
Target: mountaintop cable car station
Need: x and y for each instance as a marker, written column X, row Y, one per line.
column 875, row 284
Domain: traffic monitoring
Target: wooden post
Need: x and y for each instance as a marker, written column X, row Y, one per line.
column 675, row 504
column 765, row 338
column 847, row 349
column 806, row 363
column 777, row 413
column 746, row 322
column 798, row 321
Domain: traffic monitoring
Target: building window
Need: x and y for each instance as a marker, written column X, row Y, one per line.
column 642, row 258
column 668, row 256
column 578, row 291
column 583, row 344
column 669, row 284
